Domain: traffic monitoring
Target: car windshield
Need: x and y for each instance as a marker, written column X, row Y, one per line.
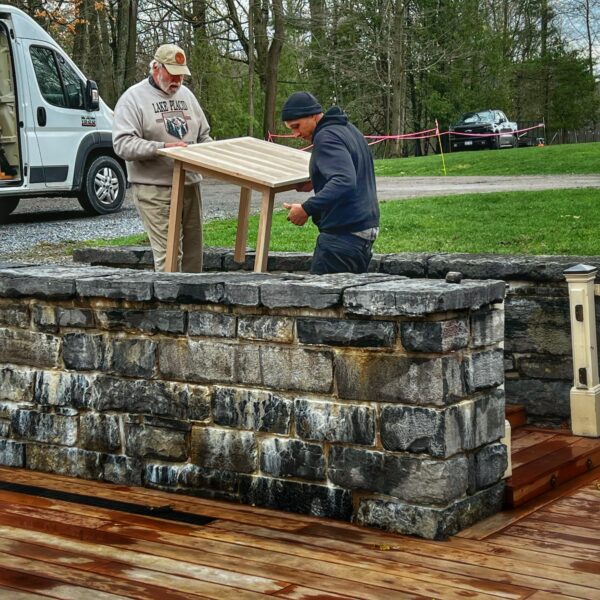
column 485, row 116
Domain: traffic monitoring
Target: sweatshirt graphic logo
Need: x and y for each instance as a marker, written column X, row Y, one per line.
column 175, row 124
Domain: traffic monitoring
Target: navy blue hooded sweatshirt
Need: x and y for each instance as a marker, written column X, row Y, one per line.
column 343, row 177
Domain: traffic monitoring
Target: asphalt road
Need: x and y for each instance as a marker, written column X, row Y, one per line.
column 53, row 221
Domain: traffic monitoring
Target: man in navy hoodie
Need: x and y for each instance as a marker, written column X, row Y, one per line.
column 344, row 206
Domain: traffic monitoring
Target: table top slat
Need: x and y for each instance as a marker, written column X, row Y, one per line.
column 255, row 161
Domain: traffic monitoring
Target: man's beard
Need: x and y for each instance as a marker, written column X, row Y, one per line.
column 167, row 86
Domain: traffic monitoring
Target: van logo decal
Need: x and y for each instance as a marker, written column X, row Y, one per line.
column 88, row 121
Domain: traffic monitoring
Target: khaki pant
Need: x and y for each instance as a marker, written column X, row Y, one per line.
column 153, row 203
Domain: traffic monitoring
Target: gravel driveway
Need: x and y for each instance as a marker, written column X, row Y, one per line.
column 38, row 224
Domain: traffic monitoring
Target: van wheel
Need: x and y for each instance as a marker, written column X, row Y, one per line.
column 7, row 206
column 103, row 189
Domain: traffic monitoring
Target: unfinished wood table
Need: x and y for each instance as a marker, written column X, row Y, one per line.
column 250, row 163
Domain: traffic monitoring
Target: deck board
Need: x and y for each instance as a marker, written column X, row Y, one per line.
column 50, row 548
column 14, row 594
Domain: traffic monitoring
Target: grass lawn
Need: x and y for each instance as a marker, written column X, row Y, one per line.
column 548, row 222
column 560, row 159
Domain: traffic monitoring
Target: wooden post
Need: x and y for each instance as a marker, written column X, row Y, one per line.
column 585, row 393
column 507, row 441
column 241, row 237
column 264, row 231
column 175, row 214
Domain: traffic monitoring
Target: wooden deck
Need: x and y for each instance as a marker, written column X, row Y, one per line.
column 51, row 548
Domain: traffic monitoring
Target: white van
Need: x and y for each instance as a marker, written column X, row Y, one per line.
column 55, row 131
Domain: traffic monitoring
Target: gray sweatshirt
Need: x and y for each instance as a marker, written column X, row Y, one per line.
column 145, row 119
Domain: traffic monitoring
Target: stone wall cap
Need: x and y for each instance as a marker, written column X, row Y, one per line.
column 119, row 284
column 115, row 255
column 47, row 281
column 505, row 266
column 316, row 291
column 513, row 267
column 193, row 288
column 414, row 297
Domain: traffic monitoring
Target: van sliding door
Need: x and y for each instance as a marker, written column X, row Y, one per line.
column 10, row 155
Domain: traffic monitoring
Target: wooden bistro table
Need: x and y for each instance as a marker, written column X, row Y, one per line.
column 250, row 163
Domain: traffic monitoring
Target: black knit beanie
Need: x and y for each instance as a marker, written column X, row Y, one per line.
column 300, row 104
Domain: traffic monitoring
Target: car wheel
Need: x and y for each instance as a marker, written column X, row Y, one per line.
column 7, row 205
column 103, row 189
column 494, row 142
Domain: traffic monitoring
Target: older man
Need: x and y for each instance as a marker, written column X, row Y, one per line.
column 160, row 112
column 344, row 206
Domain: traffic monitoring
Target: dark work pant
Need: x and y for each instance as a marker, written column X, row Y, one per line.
column 341, row 253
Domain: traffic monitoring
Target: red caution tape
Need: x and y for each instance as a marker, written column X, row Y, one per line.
column 418, row 135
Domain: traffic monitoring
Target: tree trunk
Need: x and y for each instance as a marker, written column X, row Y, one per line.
column 589, row 35
column 80, row 49
column 267, row 54
column 106, row 82
column 200, row 52
column 129, row 76
column 251, row 67
column 319, row 63
column 125, row 45
column 543, row 53
column 397, row 81
column 272, row 67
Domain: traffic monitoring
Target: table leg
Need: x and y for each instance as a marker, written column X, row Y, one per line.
column 175, row 213
column 264, row 231
column 241, row 238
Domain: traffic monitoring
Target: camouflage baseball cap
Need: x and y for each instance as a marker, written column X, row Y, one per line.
column 173, row 58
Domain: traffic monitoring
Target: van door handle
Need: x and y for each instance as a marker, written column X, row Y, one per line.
column 41, row 116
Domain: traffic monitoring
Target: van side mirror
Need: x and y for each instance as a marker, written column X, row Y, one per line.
column 92, row 97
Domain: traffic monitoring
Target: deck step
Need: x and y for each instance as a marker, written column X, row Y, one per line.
column 515, row 415
column 544, row 459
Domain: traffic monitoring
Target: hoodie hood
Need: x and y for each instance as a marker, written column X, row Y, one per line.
column 334, row 116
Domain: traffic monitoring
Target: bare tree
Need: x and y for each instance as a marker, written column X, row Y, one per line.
column 269, row 35
column 580, row 21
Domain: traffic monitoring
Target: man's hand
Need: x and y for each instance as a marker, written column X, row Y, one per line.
column 175, row 145
column 297, row 214
column 307, row 186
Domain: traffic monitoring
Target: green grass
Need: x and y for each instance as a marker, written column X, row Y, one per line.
column 563, row 159
column 52, row 250
column 137, row 239
column 548, row 222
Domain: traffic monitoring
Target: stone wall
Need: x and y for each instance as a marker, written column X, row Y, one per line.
column 537, row 339
column 375, row 398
